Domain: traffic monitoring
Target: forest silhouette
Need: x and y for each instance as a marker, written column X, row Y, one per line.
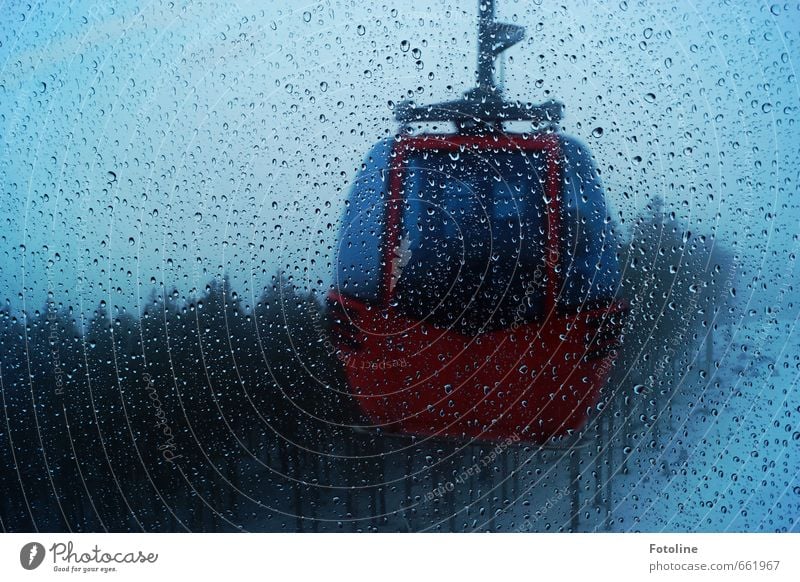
column 204, row 414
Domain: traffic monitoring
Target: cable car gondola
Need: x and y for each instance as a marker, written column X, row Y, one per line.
column 476, row 271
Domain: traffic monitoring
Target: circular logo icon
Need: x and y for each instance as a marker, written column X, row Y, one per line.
column 31, row 555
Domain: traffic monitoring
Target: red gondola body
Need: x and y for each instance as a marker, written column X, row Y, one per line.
column 533, row 381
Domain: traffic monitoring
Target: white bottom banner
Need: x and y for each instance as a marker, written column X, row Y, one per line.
column 401, row 557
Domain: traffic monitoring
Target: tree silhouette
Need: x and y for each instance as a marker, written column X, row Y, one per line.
column 202, row 413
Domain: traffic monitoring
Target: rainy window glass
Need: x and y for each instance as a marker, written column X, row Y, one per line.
column 382, row 266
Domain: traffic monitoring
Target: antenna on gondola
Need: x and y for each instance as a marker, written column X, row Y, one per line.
column 484, row 106
column 493, row 39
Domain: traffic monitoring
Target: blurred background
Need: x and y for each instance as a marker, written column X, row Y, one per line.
column 174, row 176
